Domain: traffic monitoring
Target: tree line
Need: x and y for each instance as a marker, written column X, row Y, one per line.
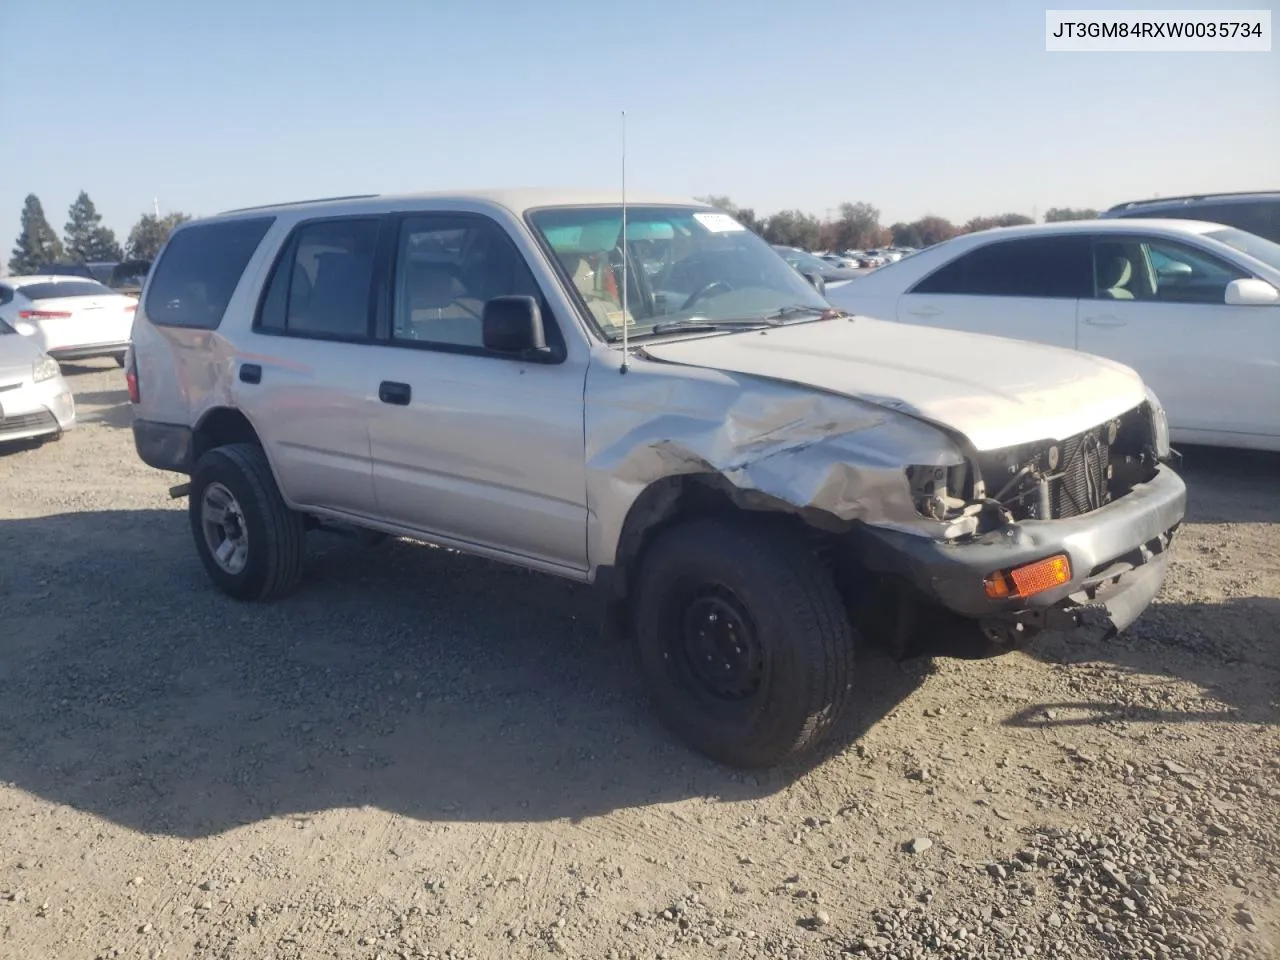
column 84, row 238
column 857, row 226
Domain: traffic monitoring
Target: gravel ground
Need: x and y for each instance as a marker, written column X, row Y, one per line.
column 422, row 754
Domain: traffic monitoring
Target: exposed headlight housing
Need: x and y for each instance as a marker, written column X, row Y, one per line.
column 46, row 368
column 935, row 489
column 1159, row 426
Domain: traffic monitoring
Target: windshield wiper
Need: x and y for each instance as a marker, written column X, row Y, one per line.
column 703, row 325
column 826, row 313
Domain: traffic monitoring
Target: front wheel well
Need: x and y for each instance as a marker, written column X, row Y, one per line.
column 218, row 428
column 688, row 496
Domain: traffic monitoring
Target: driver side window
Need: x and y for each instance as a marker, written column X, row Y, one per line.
column 447, row 267
column 1156, row 270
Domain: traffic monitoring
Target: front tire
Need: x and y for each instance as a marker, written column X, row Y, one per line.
column 743, row 641
column 251, row 544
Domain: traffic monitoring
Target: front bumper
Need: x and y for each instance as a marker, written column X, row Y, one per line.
column 1118, row 563
column 36, row 409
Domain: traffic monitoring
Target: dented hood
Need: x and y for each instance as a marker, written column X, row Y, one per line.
column 997, row 392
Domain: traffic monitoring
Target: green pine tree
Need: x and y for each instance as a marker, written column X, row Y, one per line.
column 87, row 239
column 37, row 243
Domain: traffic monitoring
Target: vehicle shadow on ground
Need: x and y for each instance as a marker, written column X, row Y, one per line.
column 404, row 677
column 1227, row 650
column 10, row 447
column 1231, row 486
column 110, row 407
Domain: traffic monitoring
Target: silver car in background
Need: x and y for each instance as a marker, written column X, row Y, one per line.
column 35, row 400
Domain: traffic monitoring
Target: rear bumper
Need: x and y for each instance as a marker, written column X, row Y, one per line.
column 36, row 410
column 90, row 352
column 1118, row 563
column 164, row 446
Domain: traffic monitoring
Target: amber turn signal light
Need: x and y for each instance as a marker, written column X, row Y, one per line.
column 1029, row 579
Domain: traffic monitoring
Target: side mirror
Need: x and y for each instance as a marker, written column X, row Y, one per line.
column 815, row 278
column 513, row 326
column 1251, row 292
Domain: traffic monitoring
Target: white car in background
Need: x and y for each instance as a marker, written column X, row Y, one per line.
column 1194, row 307
column 70, row 318
column 35, row 400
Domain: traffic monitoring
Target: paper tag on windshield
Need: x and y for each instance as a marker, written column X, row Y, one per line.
column 615, row 318
column 718, row 222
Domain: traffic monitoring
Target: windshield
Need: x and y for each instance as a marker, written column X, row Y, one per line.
column 683, row 263
column 1249, row 243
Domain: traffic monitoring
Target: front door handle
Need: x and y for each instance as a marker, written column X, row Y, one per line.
column 1105, row 320
column 250, row 373
column 924, row 312
column 391, row 392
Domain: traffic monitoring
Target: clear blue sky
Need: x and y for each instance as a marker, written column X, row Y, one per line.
column 951, row 108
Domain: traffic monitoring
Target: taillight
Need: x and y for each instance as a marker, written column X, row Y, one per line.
column 42, row 315
column 131, row 378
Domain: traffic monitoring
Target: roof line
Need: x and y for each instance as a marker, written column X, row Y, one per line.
column 300, row 203
column 1188, row 196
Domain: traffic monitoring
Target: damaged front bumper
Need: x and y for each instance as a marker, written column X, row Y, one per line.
column 1118, row 556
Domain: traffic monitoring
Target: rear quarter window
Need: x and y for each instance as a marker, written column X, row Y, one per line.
column 199, row 270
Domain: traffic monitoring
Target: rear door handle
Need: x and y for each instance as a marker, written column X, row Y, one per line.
column 1106, row 320
column 250, row 373
column 924, row 312
column 391, row 392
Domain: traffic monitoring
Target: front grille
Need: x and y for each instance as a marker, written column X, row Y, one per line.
column 23, row 422
column 1082, row 485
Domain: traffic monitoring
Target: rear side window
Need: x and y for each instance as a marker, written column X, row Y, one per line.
column 199, row 270
column 1055, row 267
column 320, row 286
column 68, row 288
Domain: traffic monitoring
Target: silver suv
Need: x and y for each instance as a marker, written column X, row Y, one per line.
column 654, row 402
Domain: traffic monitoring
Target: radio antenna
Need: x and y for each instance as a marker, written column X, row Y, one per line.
column 625, row 257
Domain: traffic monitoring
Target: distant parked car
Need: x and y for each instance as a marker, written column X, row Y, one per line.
column 1194, row 307
column 70, row 318
column 125, row 276
column 35, row 400
column 807, row 263
column 841, row 260
column 1257, row 212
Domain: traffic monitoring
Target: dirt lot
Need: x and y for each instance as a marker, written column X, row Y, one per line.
column 422, row 754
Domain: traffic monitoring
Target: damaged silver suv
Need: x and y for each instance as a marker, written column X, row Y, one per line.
column 652, row 401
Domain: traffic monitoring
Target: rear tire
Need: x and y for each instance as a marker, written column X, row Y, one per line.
column 743, row 641
column 251, row 544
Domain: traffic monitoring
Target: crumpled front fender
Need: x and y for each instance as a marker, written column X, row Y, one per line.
column 775, row 446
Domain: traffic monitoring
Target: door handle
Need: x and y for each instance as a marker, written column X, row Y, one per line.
column 924, row 312
column 1106, row 320
column 391, row 392
column 250, row 373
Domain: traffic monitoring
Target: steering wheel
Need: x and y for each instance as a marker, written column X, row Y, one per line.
column 702, row 291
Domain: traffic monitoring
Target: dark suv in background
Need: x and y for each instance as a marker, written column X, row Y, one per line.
column 1258, row 212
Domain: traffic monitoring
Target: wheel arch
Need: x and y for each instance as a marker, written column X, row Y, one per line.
column 219, row 426
column 683, row 497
